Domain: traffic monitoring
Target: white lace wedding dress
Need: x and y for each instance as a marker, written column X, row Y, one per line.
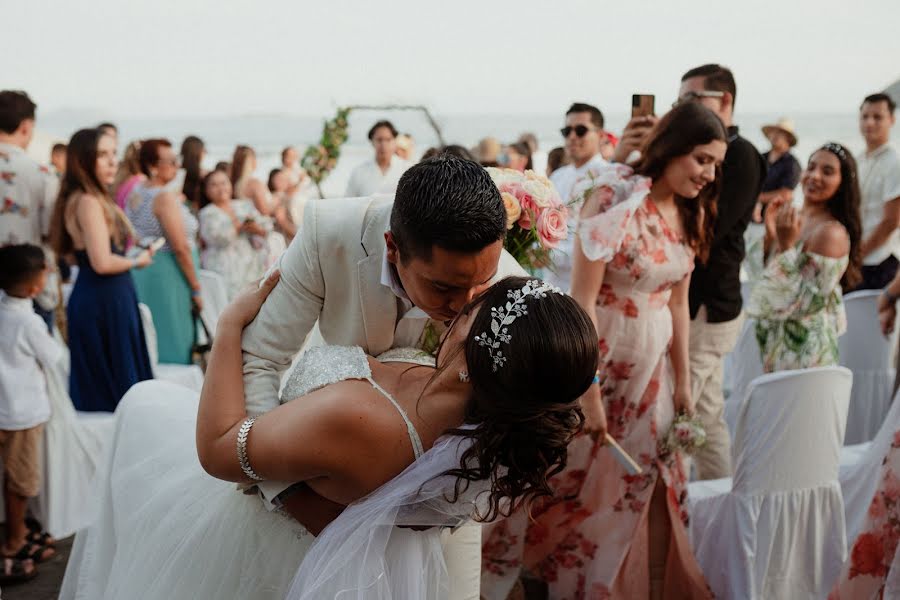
column 165, row 529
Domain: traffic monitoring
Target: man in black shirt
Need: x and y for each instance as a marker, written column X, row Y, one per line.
column 715, row 292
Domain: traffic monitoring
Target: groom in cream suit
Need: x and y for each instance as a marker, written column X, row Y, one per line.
column 372, row 272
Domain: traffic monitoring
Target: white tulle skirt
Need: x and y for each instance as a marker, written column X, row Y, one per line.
column 164, row 529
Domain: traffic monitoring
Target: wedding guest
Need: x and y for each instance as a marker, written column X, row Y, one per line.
column 538, row 156
column 381, row 174
column 169, row 286
column 129, row 174
column 283, row 194
column 518, row 157
column 106, row 339
column 615, row 534
column 406, row 147
column 583, row 134
column 783, row 173
column 487, row 152
column 58, row 159
column 27, row 190
column 715, row 294
column 111, row 130
column 451, row 149
column 879, row 177
column 345, row 436
column 556, row 158
column 870, row 570
column 782, row 176
column 798, row 303
column 192, row 153
column 27, row 351
column 290, row 164
column 246, row 184
column 233, row 234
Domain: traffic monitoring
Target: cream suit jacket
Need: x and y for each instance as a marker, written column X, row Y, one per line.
column 331, row 273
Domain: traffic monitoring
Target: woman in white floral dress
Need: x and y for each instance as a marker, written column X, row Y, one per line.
column 607, row 533
column 812, row 253
column 233, row 234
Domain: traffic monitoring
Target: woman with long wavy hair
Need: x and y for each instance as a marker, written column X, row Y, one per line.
column 128, row 175
column 192, row 152
column 106, row 338
column 812, row 253
column 608, row 532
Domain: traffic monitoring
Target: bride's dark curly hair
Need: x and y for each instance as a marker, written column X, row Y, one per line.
column 525, row 412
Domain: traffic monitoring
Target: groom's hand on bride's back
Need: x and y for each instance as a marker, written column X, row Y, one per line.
column 245, row 306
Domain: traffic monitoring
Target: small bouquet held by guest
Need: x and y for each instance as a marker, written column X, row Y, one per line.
column 536, row 218
column 686, row 435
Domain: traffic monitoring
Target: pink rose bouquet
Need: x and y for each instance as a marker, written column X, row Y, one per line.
column 536, row 218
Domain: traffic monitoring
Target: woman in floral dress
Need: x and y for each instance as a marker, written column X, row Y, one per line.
column 815, row 251
column 874, row 561
column 608, row 534
column 233, row 234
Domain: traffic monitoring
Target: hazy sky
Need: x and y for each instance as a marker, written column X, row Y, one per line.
column 226, row 57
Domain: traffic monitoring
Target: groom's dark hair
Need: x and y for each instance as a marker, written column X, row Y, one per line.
column 449, row 202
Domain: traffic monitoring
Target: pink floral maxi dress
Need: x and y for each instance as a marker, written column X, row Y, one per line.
column 874, row 559
column 591, row 539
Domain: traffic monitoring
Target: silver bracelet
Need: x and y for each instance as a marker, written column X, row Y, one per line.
column 243, row 432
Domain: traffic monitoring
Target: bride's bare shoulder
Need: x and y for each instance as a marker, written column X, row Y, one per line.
column 352, row 406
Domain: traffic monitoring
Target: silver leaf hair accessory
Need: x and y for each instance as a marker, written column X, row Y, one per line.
column 837, row 149
column 503, row 316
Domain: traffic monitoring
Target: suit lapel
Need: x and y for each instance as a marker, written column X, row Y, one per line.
column 378, row 303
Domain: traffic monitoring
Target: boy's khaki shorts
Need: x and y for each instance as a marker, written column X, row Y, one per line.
column 22, row 452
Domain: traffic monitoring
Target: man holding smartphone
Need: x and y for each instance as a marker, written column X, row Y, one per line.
column 715, row 292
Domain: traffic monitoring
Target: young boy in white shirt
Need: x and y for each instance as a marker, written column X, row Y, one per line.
column 27, row 349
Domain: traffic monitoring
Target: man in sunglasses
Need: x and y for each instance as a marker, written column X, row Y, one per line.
column 584, row 137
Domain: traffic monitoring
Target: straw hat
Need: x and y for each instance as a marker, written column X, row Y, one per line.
column 785, row 126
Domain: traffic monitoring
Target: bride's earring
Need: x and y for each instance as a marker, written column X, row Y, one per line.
column 464, row 376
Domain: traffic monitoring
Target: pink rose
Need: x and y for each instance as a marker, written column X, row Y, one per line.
column 552, row 227
column 530, row 211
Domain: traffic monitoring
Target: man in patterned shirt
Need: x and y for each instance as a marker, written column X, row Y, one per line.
column 27, row 189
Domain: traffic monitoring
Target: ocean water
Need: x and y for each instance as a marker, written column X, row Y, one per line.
column 268, row 134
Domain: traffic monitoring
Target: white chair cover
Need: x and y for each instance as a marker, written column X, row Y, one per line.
column 869, row 354
column 190, row 376
column 859, row 470
column 745, row 366
column 215, row 297
column 777, row 529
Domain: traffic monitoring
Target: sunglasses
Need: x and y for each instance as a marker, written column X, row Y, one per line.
column 580, row 130
column 691, row 96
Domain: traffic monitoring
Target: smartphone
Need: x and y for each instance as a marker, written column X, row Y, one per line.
column 157, row 244
column 642, row 105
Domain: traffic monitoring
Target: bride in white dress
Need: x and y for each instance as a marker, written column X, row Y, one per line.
column 499, row 410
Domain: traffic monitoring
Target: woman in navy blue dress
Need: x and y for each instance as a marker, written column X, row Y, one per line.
column 106, row 339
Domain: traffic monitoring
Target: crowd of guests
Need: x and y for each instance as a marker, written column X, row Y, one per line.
column 670, row 215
